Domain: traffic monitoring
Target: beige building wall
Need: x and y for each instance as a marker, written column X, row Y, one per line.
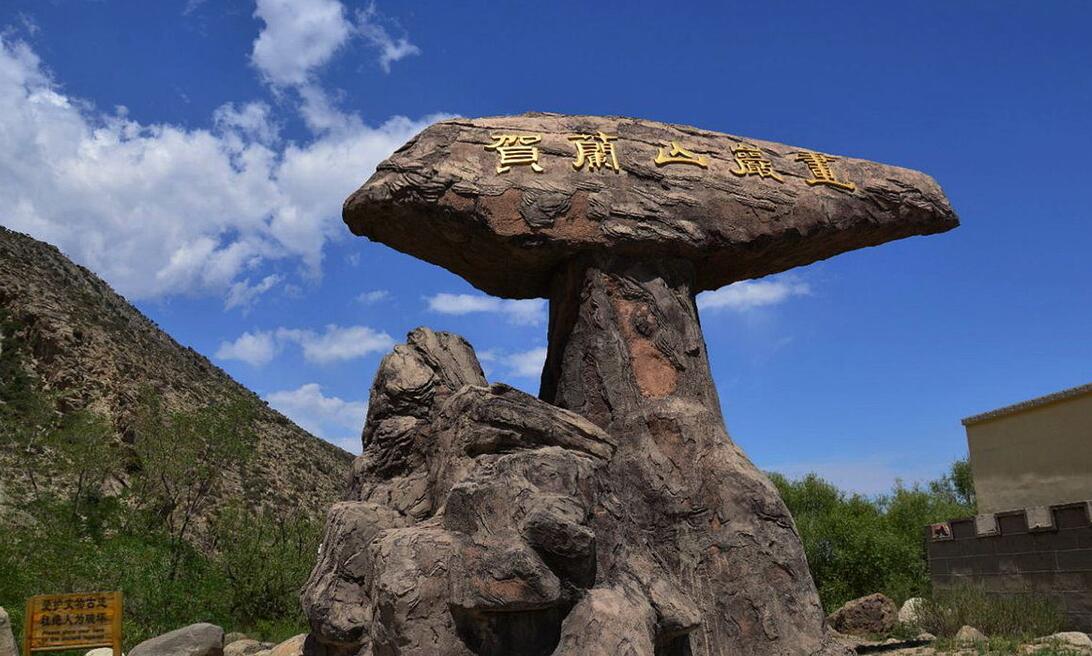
column 1035, row 453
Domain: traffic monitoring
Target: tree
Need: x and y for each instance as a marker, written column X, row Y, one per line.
column 183, row 456
column 857, row 545
column 84, row 445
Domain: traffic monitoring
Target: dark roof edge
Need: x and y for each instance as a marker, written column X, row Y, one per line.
column 1070, row 393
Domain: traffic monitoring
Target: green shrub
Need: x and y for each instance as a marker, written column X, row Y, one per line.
column 70, row 537
column 857, row 545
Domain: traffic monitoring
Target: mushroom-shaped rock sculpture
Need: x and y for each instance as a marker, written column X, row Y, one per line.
column 620, row 222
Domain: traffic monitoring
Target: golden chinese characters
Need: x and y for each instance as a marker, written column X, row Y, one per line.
column 750, row 160
column 516, row 150
column 596, row 151
column 73, row 620
column 680, row 155
column 822, row 174
column 600, row 150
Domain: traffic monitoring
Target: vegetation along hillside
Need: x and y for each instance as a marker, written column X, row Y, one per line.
column 128, row 461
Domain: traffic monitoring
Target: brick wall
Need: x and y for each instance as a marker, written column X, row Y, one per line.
column 1001, row 553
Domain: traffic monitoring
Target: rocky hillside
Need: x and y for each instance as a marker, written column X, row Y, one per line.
column 86, row 347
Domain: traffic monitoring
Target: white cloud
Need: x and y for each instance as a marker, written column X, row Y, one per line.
column 328, row 417
column 252, row 120
column 518, row 364
column 298, row 37
column 243, row 294
column 374, row 296
column 749, row 294
column 528, row 312
column 158, row 209
column 255, row 349
column 334, row 344
column 390, row 49
column 337, row 343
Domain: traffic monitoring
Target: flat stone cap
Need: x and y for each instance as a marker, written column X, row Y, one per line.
column 736, row 207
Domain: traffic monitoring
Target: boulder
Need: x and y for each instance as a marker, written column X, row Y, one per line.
column 291, row 647
column 246, row 647
column 8, row 646
column 910, row 611
column 1068, row 638
column 234, row 636
column 194, row 640
column 874, row 614
column 440, row 198
column 969, row 634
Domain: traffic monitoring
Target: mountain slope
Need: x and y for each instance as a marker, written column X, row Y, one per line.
column 89, row 348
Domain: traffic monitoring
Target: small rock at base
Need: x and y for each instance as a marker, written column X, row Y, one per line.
column 101, row 651
column 969, row 634
column 194, row 640
column 925, row 635
column 910, row 612
column 234, row 636
column 1071, row 638
column 246, row 647
column 873, row 614
column 7, row 639
column 291, row 647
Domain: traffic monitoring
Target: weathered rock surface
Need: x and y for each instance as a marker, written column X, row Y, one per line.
column 8, row 646
column 615, row 515
column 474, row 528
column 440, row 198
column 910, row 611
column 193, row 640
column 1068, row 638
column 873, row 614
column 968, row 635
column 234, row 636
column 467, row 527
column 245, row 647
column 294, row 646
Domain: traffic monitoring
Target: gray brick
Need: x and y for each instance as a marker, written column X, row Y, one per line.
column 1075, row 560
column 1036, row 562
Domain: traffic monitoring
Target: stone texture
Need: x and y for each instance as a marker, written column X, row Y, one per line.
column 234, row 636
column 294, row 646
column 910, row 611
column 614, row 515
column 874, row 614
column 1069, row 638
column 8, row 646
column 475, row 518
column 969, row 634
column 245, row 647
column 193, row 640
column 440, row 198
column 466, row 528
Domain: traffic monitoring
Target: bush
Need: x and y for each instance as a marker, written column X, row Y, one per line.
column 1013, row 616
column 70, row 537
column 857, row 545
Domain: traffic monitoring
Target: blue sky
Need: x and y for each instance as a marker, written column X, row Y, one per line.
column 195, row 155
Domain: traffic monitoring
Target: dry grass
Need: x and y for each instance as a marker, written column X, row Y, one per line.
column 1014, row 617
